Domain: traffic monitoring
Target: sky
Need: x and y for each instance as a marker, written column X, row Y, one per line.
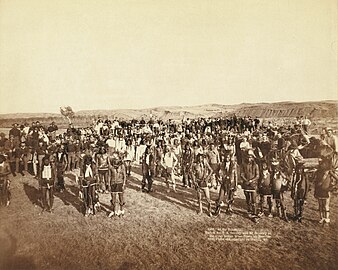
column 140, row 54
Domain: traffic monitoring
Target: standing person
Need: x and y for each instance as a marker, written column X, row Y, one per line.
column 187, row 163
column 264, row 189
column 41, row 151
column 281, row 145
column 102, row 163
column 201, row 175
column 129, row 156
column 10, row 147
column 279, row 185
column 325, row 181
column 169, row 162
column 71, row 150
column 265, row 146
column 229, row 146
column 46, row 183
column 111, row 142
column 22, row 155
column 158, row 155
column 117, row 184
column 177, row 149
column 77, row 155
column 214, row 161
column 306, row 124
column 228, row 185
column 4, row 181
column 16, row 133
column 61, row 165
column 140, row 151
column 250, row 176
column 242, row 147
column 331, row 140
column 87, row 182
column 3, row 141
column 148, row 169
column 52, row 130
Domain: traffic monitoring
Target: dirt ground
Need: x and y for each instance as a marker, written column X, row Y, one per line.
column 159, row 231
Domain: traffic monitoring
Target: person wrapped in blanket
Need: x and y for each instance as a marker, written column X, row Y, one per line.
column 201, row 176
column 229, row 184
column 250, row 177
column 46, row 178
column 88, row 182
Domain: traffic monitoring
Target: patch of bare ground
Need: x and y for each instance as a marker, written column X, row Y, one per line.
column 159, row 231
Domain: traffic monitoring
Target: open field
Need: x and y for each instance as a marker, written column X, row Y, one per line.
column 159, row 231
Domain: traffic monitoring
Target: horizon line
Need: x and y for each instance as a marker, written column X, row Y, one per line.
column 173, row 106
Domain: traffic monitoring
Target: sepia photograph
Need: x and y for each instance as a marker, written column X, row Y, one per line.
column 177, row 134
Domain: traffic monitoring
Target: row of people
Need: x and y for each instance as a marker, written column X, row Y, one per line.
column 165, row 154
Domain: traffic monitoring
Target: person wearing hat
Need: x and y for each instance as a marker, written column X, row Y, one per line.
column 61, row 163
column 117, row 184
column 4, row 181
column 46, row 183
column 293, row 151
column 34, row 135
column 250, row 176
column 52, row 130
column 201, row 175
column 22, row 155
column 10, row 147
column 15, row 132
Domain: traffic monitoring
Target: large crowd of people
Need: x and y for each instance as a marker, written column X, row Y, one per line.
column 264, row 159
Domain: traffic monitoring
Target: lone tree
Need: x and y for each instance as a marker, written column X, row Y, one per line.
column 68, row 112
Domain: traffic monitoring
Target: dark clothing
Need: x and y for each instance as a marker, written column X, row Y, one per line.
column 41, row 150
column 250, row 171
column 264, row 186
column 15, row 132
column 323, row 184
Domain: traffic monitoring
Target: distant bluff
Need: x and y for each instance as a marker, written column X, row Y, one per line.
column 318, row 109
